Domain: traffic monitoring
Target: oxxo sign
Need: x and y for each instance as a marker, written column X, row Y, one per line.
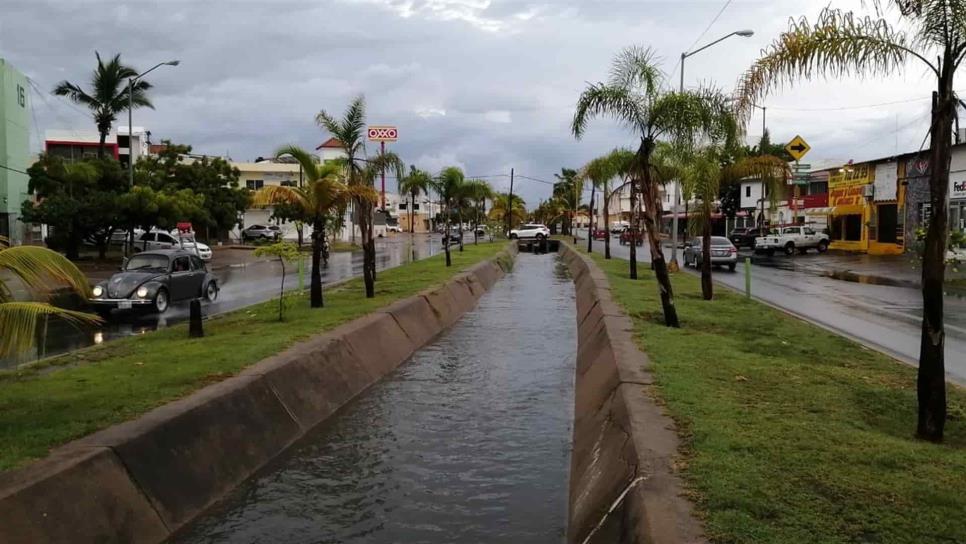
column 383, row 134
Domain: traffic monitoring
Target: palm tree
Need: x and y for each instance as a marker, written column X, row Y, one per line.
column 349, row 132
column 566, row 190
column 599, row 172
column 636, row 96
column 110, row 94
column 374, row 167
column 416, row 183
column 449, row 186
column 478, row 192
column 505, row 205
column 39, row 270
column 931, row 33
column 322, row 195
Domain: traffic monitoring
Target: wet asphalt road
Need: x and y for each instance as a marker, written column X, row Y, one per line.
column 883, row 317
column 241, row 285
column 468, row 441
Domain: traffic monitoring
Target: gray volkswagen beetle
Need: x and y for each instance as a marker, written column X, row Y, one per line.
column 152, row 280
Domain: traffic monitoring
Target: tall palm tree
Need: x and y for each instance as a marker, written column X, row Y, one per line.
column 322, row 194
column 599, row 172
column 932, row 34
column 109, row 96
column 505, row 205
column 39, row 270
column 565, row 189
column 349, row 132
column 478, row 192
column 636, row 96
column 373, row 169
column 449, row 186
column 416, row 183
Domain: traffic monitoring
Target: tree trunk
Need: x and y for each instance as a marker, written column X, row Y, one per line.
column 707, row 290
column 635, row 228
column 590, row 220
column 315, row 281
column 606, row 222
column 652, row 213
column 446, row 237
column 73, row 242
column 459, row 215
column 100, row 146
column 931, row 382
column 368, row 253
column 281, row 293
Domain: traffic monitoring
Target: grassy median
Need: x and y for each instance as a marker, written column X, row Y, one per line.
column 791, row 433
column 70, row 396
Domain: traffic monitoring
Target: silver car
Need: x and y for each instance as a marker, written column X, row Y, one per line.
column 723, row 253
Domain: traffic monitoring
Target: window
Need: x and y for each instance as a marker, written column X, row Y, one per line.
column 403, row 205
column 809, row 232
column 196, row 263
column 181, row 264
column 166, row 238
column 255, row 184
column 287, row 183
column 747, row 191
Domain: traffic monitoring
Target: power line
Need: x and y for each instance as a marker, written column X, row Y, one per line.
column 705, row 31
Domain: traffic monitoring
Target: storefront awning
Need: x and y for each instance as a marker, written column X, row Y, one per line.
column 818, row 211
column 848, row 210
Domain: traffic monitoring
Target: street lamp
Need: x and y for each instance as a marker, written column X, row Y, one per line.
column 677, row 185
column 130, row 115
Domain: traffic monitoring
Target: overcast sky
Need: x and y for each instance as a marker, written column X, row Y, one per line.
column 482, row 84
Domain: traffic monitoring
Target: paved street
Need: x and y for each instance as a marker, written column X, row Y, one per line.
column 884, row 317
column 242, row 284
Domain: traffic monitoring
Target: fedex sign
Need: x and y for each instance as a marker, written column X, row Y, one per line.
column 957, row 189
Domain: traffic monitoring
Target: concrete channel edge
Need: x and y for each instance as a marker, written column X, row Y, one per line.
column 142, row 480
column 623, row 486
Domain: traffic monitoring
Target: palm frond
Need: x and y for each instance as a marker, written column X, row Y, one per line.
column 277, row 194
column 638, row 68
column 837, row 44
column 617, row 102
column 41, row 268
column 18, row 323
column 310, row 168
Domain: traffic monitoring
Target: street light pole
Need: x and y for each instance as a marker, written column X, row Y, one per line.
column 130, row 116
column 677, row 183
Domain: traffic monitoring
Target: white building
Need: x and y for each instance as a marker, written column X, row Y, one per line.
column 74, row 145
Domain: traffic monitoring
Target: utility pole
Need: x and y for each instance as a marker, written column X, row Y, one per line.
column 382, row 150
column 509, row 204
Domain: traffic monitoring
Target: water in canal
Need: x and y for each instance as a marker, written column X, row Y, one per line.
column 469, row 441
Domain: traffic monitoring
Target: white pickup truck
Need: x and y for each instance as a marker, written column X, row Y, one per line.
column 788, row 239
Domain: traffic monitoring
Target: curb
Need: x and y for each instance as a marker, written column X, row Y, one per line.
column 623, row 486
column 142, row 480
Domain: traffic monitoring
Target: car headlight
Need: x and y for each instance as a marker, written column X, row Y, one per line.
column 97, row 290
column 142, row 292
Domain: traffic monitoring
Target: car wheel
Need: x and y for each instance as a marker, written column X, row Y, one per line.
column 822, row 246
column 211, row 291
column 789, row 248
column 732, row 267
column 161, row 301
column 540, row 237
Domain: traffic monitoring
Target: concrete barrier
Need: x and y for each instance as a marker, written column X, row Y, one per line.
column 623, row 487
column 144, row 479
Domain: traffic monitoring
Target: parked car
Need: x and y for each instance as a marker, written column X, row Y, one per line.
column 789, row 239
column 723, row 253
column 261, row 232
column 745, row 237
column 393, row 228
column 455, row 235
column 532, row 230
column 628, row 235
column 619, row 226
column 480, row 231
column 159, row 239
column 152, row 280
column 599, row 234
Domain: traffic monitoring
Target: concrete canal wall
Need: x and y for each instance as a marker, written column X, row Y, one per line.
column 142, row 480
column 623, row 444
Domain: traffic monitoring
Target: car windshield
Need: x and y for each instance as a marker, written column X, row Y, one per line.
column 720, row 241
column 147, row 262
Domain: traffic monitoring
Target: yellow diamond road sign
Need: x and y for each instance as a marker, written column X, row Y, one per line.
column 797, row 148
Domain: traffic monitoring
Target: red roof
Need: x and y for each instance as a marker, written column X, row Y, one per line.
column 331, row 143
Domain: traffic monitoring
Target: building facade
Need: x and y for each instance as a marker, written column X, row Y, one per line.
column 14, row 150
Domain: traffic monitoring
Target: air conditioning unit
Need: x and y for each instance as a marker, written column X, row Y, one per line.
column 868, row 191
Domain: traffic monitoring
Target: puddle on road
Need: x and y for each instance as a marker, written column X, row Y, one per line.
column 469, row 441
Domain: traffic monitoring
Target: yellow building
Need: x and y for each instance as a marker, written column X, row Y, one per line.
column 865, row 204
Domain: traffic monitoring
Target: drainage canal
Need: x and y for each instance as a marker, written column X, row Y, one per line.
column 469, row 441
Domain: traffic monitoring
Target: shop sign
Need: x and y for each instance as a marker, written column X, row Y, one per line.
column 957, row 188
column 846, row 187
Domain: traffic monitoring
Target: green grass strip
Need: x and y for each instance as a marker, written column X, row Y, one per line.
column 791, row 433
column 68, row 397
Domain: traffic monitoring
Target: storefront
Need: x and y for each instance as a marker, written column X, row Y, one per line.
column 886, row 220
column 849, row 210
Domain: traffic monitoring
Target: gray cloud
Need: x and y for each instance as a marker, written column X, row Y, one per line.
column 487, row 85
